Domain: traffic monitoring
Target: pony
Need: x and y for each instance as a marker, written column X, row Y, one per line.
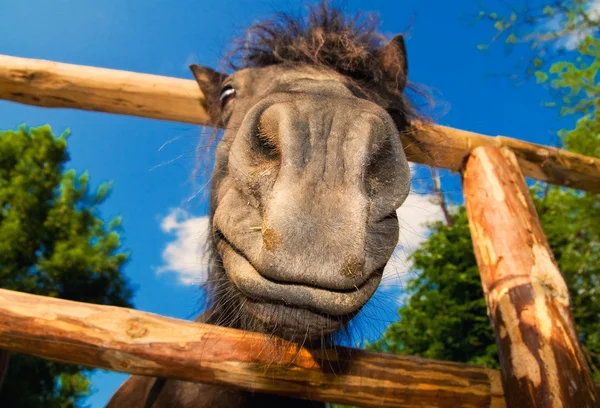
column 308, row 175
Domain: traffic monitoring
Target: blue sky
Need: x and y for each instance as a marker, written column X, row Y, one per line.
column 151, row 162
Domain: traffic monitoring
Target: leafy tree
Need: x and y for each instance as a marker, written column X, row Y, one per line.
column 445, row 316
column 53, row 243
column 539, row 32
column 562, row 39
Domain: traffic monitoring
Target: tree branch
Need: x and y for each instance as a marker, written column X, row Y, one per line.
column 435, row 177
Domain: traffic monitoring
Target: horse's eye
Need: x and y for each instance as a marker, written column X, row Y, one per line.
column 227, row 94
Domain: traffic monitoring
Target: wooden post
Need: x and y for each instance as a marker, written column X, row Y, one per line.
column 528, row 301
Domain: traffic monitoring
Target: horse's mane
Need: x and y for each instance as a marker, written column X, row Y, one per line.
column 326, row 38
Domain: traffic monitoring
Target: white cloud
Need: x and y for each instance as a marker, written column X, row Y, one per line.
column 185, row 256
column 417, row 210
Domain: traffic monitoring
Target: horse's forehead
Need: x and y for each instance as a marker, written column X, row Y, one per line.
column 286, row 73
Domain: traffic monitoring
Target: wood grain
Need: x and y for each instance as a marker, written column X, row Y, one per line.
column 528, row 301
column 135, row 342
column 58, row 85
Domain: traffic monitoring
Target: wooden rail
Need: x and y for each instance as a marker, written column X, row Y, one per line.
column 57, row 85
column 135, row 342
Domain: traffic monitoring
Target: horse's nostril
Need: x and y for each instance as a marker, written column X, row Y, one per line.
column 380, row 171
column 266, row 139
column 218, row 235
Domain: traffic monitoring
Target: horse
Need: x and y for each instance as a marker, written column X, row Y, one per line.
column 308, row 175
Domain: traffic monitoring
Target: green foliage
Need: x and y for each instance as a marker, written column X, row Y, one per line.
column 578, row 83
column 53, row 243
column 34, row 382
column 564, row 54
column 546, row 29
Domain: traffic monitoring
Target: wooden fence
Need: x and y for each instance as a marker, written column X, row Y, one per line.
column 542, row 361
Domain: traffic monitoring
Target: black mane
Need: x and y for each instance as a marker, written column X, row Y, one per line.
column 325, row 38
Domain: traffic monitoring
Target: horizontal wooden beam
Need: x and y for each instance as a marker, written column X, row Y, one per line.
column 446, row 147
column 58, row 85
column 135, row 342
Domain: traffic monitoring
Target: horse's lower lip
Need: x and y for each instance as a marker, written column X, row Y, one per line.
column 293, row 323
column 250, row 282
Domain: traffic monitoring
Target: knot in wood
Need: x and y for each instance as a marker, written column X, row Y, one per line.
column 136, row 329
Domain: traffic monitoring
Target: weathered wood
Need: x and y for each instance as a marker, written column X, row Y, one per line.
column 135, row 342
column 59, row 85
column 528, row 301
column 442, row 146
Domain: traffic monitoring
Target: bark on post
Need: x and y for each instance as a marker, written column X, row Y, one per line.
column 528, row 301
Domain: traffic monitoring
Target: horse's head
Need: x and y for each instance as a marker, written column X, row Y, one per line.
column 308, row 176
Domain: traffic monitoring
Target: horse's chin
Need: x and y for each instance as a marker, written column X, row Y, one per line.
column 291, row 323
column 320, row 301
column 295, row 312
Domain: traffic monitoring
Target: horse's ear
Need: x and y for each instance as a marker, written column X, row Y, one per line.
column 394, row 62
column 210, row 84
